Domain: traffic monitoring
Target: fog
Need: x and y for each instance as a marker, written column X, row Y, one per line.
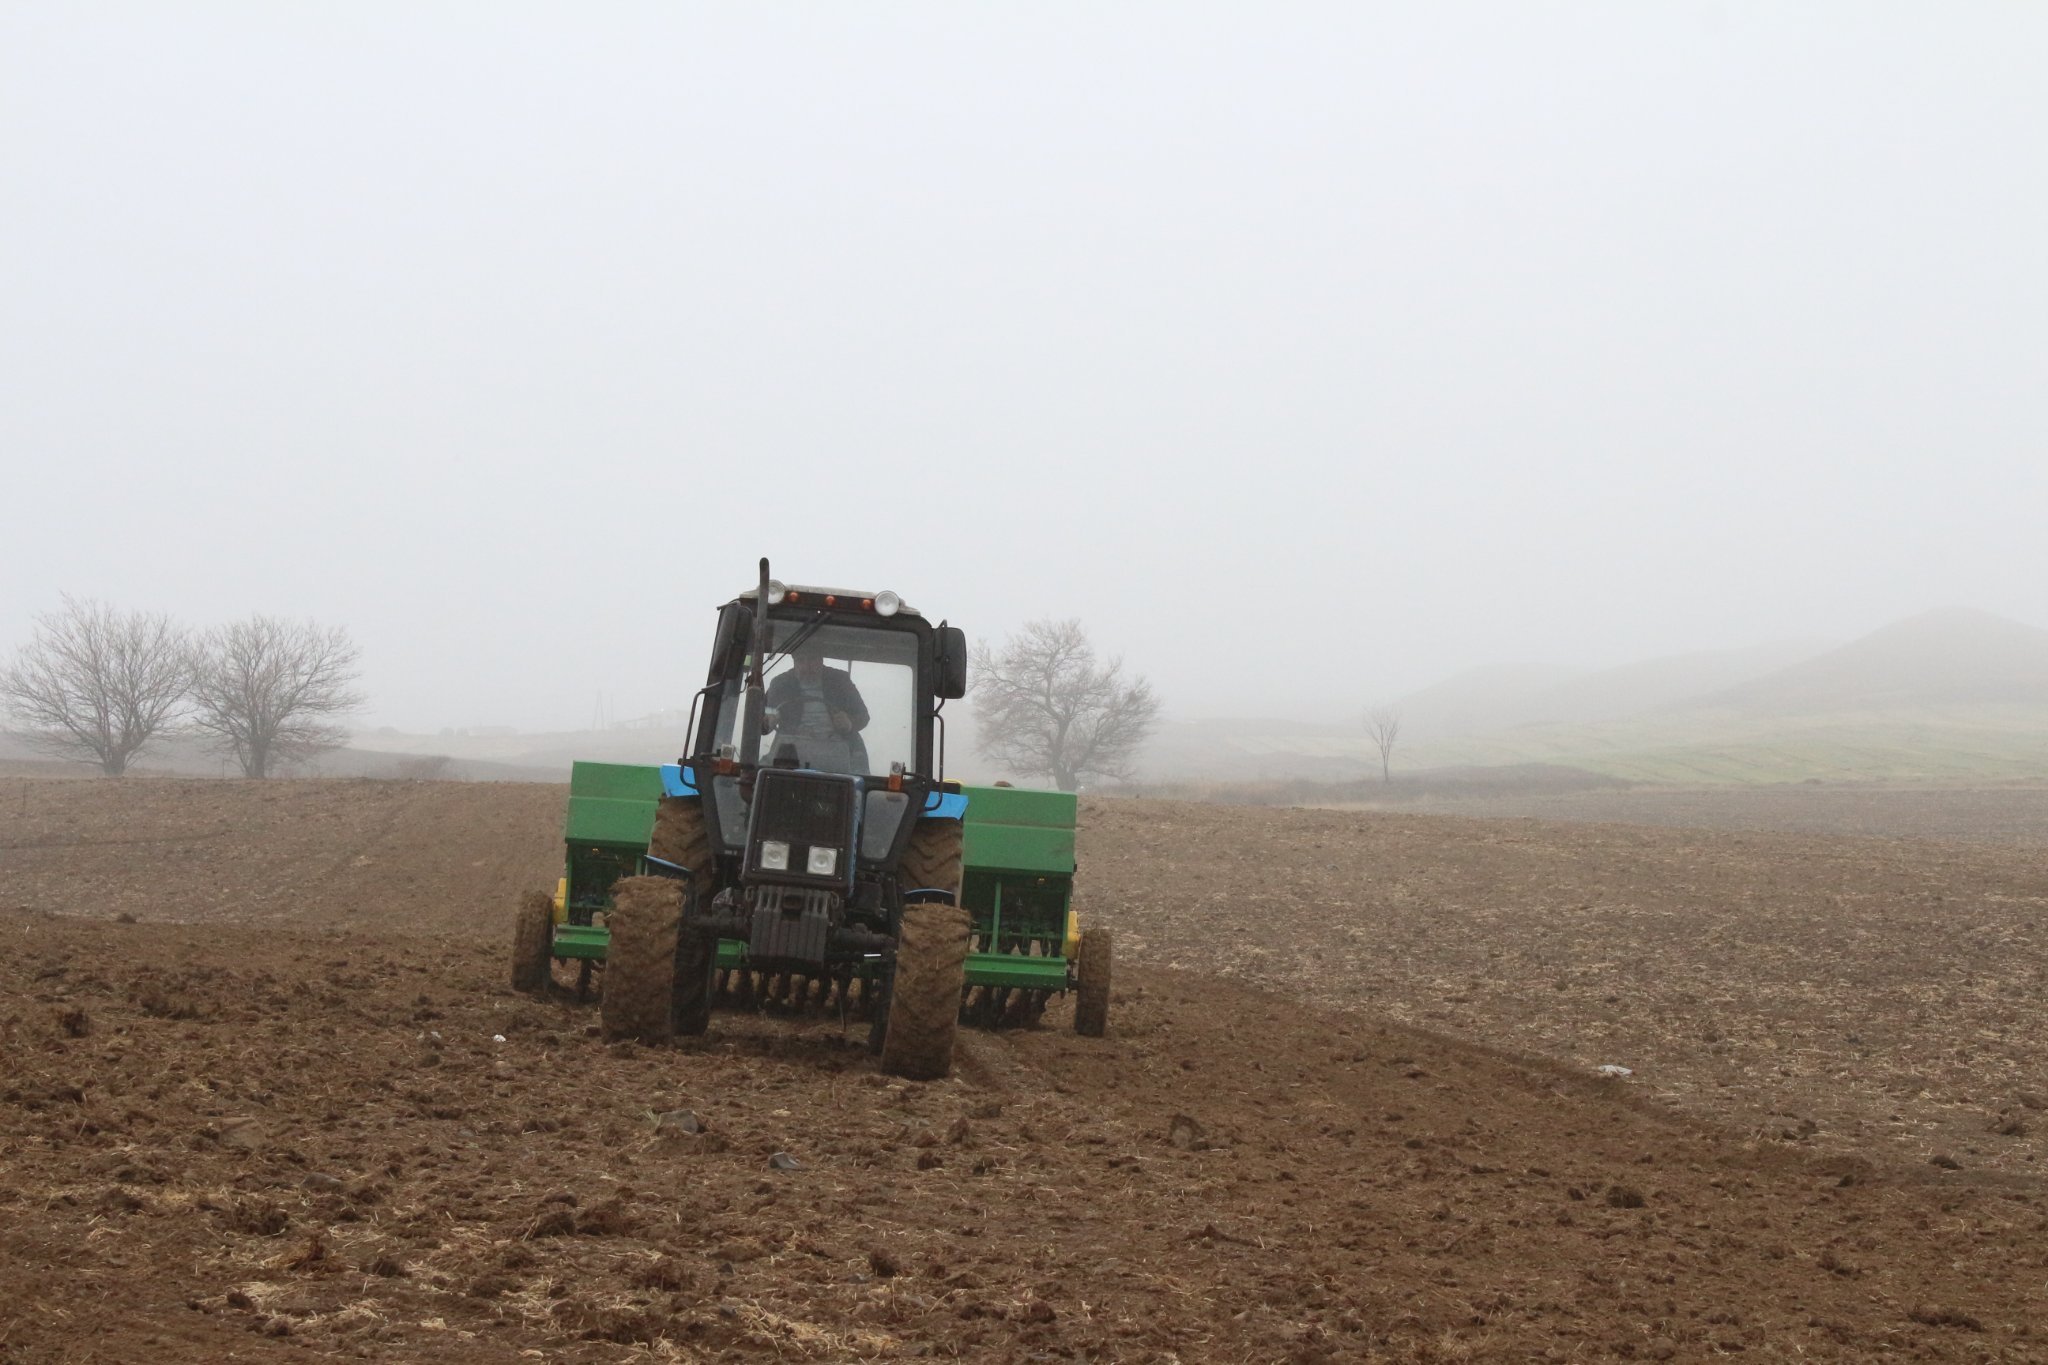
column 1308, row 353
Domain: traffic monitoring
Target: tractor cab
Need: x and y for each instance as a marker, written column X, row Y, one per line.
column 852, row 681
column 830, row 684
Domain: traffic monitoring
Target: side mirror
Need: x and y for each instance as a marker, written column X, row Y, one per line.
column 949, row 651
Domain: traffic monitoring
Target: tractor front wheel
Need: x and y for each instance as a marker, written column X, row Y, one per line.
column 681, row 837
column 1091, row 1007
column 646, row 923
column 533, row 935
column 930, row 972
column 924, row 992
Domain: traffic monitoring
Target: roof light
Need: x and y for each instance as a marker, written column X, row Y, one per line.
column 831, row 600
column 887, row 603
column 776, row 592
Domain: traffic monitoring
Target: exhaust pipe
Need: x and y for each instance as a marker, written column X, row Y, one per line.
column 753, row 714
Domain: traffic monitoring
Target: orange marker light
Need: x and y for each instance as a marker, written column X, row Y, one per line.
column 831, row 601
column 867, row 604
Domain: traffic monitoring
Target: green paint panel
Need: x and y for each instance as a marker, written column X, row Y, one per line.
column 613, row 803
column 588, row 941
column 591, row 941
column 1020, row 848
column 1032, row 908
column 581, row 941
column 1013, row 829
column 1014, row 969
column 1021, row 806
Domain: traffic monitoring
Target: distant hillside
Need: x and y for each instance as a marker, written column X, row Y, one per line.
column 1949, row 695
column 1954, row 694
column 1954, row 656
column 189, row 757
column 1955, row 743
column 552, row 752
column 549, row 755
column 1262, row 750
column 1495, row 697
column 1660, row 684
column 1487, row 701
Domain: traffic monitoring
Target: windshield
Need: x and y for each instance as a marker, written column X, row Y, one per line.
column 843, row 697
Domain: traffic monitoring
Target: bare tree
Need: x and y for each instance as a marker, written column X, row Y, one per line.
column 268, row 690
column 99, row 682
column 1383, row 727
column 1047, row 708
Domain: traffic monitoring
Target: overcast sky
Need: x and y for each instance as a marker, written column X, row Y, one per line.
column 1308, row 353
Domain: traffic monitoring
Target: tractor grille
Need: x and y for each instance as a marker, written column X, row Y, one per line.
column 803, row 808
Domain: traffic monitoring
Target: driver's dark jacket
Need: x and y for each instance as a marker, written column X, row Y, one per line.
column 840, row 694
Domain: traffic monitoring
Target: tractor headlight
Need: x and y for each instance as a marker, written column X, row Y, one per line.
column 824, row 862
column 774, row 855
column 776, row 592
column 887, row 603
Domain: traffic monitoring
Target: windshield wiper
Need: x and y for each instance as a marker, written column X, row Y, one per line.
column 803, row 633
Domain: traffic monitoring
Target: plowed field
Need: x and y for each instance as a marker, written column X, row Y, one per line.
column 265, row 1095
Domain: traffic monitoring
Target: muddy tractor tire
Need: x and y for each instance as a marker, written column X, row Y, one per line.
column 936, row 859
column 646, row 925
column 681, row 838
column 931, row 957
column 924, row 995
column 696, row 981
column 1091, row 1003
column 532, row 943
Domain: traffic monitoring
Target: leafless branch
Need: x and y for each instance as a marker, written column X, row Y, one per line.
column 1047, row 708
column 1383, row 727
column 99, row 682
column 267, row 690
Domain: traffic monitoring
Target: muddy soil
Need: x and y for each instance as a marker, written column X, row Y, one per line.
column 328, row 1130
column 2013, row 812
column 1878, row 995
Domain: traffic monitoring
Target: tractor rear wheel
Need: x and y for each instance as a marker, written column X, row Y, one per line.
column 696, row 980
column 533, row 936
column 931, row 957
column 1091, row 1007
column 640, row 964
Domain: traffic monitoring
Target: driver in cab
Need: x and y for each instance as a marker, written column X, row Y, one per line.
column 813, row 702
